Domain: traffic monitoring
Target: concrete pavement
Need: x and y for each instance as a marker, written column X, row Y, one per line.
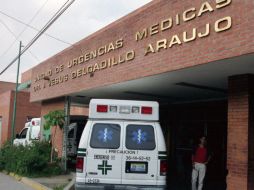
column 54, row 181
column 8, row 182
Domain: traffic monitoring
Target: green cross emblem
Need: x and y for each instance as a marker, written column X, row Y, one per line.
column 104, row 167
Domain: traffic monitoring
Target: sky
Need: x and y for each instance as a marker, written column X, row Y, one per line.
column 81, row 19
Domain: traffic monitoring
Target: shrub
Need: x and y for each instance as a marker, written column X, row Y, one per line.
column 31, row 160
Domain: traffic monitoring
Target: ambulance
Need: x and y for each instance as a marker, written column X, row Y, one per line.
column 30, row 133
column 122, row 147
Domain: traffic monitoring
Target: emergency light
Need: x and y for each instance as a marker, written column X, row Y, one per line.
column 135, row 109
column 102, row 108
column 34, row 123
column 124, row 109
column 146, row 110
column 113, row 108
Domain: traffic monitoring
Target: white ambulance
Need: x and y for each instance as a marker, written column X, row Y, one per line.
column 122, row 147
column 30, row 133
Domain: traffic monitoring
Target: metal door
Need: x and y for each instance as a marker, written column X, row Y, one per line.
column 104, row 153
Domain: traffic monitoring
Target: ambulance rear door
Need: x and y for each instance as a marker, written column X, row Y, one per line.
column 139, row 167
column 104, row 152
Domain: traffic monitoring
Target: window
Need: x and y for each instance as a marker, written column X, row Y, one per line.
column 105, row 135
column 23, row 133
column 71, row 133
column 140, row 137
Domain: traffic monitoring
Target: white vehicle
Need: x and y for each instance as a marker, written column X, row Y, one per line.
column 29, row 133
column 122, row 147
column 72, row 139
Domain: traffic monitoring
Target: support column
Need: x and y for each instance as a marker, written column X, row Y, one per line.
column 240, row 147
column 67, row 106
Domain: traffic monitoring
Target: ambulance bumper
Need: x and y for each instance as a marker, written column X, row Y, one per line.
column 85, row 186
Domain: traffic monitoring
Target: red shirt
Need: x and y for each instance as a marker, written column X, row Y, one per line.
column 200, row 155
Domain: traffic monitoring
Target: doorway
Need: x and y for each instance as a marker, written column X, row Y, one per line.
column 186, row 124
column 75, row 130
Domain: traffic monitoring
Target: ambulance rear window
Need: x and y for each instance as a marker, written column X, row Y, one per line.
column 106, row 136
column 140, row 137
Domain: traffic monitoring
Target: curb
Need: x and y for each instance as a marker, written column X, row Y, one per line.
column 35, row 185
column 17, row 177
column 70, row 185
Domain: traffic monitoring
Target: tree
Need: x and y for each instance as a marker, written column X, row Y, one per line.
column 54, row 119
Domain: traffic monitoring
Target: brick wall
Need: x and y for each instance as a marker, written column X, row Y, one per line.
column 26, row 76
column 57, row 140
column 5, row 106
column 75, row 110
column 56, row 132
column 239, row 40
column 24, row 109
column 6, row 86
column 251, row 138
column 51, row 105
column 240, row 133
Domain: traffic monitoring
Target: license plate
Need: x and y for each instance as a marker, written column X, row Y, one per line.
column 138, row 167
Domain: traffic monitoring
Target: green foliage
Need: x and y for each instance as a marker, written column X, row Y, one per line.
column 54, row 118
column 30, row 160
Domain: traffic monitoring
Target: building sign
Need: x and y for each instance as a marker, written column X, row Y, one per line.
column 87, row 63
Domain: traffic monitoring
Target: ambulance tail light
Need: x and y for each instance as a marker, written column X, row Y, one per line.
column 102, row 108
column 146, row 110
column 163, row 167
column 34, row 123
column 79, row 164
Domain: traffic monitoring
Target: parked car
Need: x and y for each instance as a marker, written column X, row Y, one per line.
column 72, row 140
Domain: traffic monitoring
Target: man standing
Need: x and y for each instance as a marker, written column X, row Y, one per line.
column 200, row 159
